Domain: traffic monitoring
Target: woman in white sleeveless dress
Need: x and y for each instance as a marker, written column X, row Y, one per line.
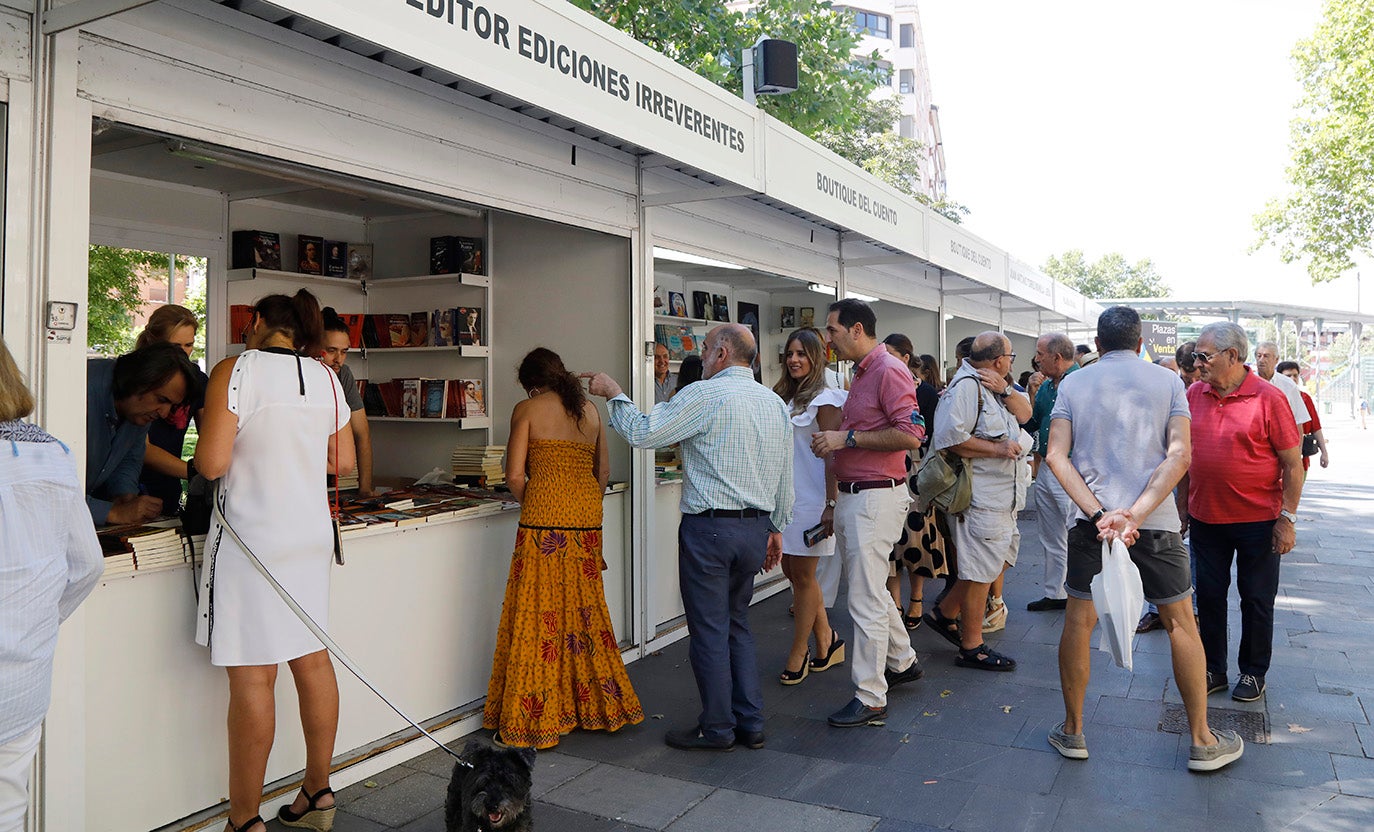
column 814, row 407
column 275, row 423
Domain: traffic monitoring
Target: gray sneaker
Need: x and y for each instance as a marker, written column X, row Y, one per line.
column 1073, row 746
column 1228, row 749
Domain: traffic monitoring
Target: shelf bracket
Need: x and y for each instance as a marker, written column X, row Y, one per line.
column 81, row 12
column 695, row 195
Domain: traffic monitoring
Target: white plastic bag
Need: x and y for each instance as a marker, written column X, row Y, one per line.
column 1118, row 596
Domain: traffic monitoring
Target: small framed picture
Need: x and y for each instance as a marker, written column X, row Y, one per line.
column 677, row 305
column 789, row 317
column 808, row 316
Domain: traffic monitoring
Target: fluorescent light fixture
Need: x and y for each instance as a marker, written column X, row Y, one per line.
column 830, row 290
column 684, row 257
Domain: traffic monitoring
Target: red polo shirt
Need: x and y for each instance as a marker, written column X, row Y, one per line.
column 882, row 395
column 1235, row 476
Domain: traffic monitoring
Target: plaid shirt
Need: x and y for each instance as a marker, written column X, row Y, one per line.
column 736, row 440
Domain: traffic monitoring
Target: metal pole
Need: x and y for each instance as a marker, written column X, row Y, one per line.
column 750, row 97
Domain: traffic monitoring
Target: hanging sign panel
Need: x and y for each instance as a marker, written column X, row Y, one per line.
column 557, row 57
column 1068, row 302
column 805, row 175
column 1029, row 283
column 965, row 254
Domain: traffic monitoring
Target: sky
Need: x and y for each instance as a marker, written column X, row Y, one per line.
column 1154, row 129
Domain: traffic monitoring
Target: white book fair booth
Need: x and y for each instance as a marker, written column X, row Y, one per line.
column 604, row 181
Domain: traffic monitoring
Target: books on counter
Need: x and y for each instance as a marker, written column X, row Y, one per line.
column 425, row 398
column 421, row 504
column 135, row 548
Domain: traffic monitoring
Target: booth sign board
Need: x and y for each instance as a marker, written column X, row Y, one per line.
column 553, row 55
column 1029, row 283
column 1068, row 302
column 803, row 174
column 964, row 254
column 1161, row 339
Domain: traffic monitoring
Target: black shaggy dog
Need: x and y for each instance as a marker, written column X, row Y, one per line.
column 494, row 794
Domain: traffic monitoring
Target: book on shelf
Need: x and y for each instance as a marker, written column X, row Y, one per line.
column 468, row 322
column 452, row 254
column 398, row 330
column 410, row 398
column 419, row 330
column 720, row 308
column 424, row 398
column 354, row 322
column 474, row 399
column 256, row 250
column 432, row 397
column 443, row 258
column 336, row 258
column 701, row 305
column 359, row 261
column 471, row 252
column 441, row 328
column 677, row 306
column 309, row 254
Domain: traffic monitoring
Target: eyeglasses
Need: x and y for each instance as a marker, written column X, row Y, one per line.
column 1010, row 355
column 1204, row 358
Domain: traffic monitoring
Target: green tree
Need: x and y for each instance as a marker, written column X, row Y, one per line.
column 1110, row 277
column 1328, row 215
column 113, row 295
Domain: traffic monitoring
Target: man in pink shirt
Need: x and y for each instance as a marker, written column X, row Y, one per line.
column 880, row 424
column 1243, row 489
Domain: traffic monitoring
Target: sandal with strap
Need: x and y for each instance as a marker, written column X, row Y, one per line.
column 256, row 820
column 912, row 622
column 832, row 657
column 946, row 628
column 795, row 677
column 314, row 817
column 984, row 657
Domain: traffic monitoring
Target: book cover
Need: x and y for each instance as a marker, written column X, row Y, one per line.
column 474, row 401
column 721, row 307
column 354, row 322
column 470, row 255
column 468, row 320
column 432, row 398
column 373, row 403
column 376, row 332
column 310, row 254
column 391, row 397
column 335, row 258
column 701, row 306
column 788, row 317
column 453, row 399
column 808, row 317
column 443, row 255
column 689, row 342
column 256, row 250
column 398, row 329
column 419, row 330
column 441, row 328
column 674, row 344
column 359, row 261
column 410, row 398
column 676, row 305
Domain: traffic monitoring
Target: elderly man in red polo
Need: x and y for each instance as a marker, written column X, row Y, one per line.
column 1243, row 489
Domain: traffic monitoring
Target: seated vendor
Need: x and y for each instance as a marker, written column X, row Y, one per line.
column 124, row 396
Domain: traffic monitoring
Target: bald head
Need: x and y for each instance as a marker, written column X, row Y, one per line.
column 728, row 345
column 988, row 346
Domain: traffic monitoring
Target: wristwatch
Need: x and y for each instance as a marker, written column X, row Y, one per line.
column 1006, row 391
column 830, row 503
column 1097, row 515
column 850, row 441
column 1290, row 516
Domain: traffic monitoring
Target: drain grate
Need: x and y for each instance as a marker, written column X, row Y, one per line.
column 1253, row 726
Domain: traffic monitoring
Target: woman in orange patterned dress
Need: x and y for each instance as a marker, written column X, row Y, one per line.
column 557, row 665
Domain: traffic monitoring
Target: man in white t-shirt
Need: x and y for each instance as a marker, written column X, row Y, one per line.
column 1266, row 359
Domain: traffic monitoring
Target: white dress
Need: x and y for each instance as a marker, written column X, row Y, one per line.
column 275, row 498
column 808, row 479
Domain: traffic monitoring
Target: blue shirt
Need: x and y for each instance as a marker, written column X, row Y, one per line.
column 114, row 448
column 736, row 440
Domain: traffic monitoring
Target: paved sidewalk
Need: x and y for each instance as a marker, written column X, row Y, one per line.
column 965, row 749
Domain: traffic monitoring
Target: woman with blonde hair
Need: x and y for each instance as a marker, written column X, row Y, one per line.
column 49, row 562
column 163, row 467
column 814, row 407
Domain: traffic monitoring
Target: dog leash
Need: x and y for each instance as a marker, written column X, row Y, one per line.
column 319, row 633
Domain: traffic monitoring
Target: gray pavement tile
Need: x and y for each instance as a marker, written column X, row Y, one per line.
column 403, row 801
column 1126, row 713
column 986, row 725
column 436, row 762
column 1151, row 687
column 997, row 809
column 1077, row 814
column 1280, row 765
column 1290, row 705
column 432, row 822
column 552, row 769
column 725, row 808
column 1342, row 813
column 884, row 792
column 764, row 771
column 343, row 822
column 1269, row 808
column 936, row 758
column 894, row 825
column 629, row 796
column 1366, row 735
column 1145, row 747
column 1120, row 784
column 548, row 816
column 1355, row 775
column 1315, row 734
column 378, row 781
column 810, row 738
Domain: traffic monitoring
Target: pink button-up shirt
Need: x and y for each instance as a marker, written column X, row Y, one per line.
column 883, row 395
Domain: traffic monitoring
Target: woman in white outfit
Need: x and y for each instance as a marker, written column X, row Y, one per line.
column 814, row 407
column 49, row 562
column 274, row 424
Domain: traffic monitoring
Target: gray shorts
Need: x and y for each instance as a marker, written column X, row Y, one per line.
column 986, row 541
column 1161, row 557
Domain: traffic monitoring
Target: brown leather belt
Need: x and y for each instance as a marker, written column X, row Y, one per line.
column 864, row 485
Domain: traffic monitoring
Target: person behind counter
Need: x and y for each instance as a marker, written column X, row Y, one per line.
column 336, row 344
column 124, row 397
column 274, row 425
column 163, row 467
column 557, row 465
column 49, row 562
column 689, row 372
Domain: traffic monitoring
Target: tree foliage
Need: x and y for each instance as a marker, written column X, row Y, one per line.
column 114, row 294
column 1110, row 277
column 1328, row 216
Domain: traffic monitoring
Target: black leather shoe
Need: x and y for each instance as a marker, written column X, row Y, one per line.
column 857, row 713
column 749, row 739
column 896, row 677
column 691, row 739
column 1047, row 604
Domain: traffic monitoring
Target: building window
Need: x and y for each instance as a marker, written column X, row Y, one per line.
column 906, row 128
column 877, row 25
column 907, row 82
column 908, row 36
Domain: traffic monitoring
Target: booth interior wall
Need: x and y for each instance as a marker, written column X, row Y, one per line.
column 16, row 51
column 920, row 325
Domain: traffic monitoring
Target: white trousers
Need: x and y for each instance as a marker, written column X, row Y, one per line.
column 867, row 526
column 828, row 571
column 1052, row 511
column 16, row 758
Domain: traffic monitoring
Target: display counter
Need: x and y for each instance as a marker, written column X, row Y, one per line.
column 152, row 691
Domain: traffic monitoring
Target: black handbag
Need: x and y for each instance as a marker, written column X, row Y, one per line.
column 1309, row 444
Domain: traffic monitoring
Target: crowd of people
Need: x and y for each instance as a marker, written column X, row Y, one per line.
column 1194, row 462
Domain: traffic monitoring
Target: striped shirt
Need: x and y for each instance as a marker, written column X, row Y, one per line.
column 736, row 440
column 50, row 561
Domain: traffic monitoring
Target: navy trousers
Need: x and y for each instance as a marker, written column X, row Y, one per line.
column 1257, row 581
column 717, row 561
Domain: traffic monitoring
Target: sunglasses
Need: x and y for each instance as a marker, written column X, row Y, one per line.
column 1204, row 358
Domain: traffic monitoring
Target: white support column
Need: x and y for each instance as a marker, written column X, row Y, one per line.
column 641, row 389
column 1356, row 377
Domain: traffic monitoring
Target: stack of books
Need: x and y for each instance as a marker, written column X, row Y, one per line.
column 134, row 548
column 667, row 463
column 349, row 482
column 485, row 463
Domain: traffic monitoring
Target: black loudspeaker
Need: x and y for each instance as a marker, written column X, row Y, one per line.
column 775, row 66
